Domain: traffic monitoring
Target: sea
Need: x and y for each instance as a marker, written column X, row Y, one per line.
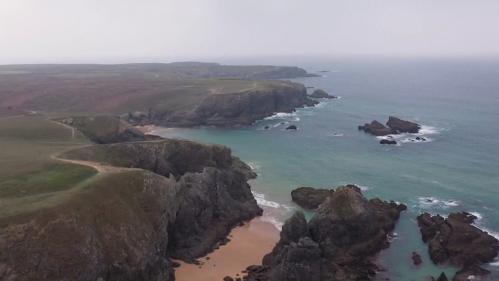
column 455, row 169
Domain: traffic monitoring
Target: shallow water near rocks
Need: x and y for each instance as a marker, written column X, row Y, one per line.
column 456, row 169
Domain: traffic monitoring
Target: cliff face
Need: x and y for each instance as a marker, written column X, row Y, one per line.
column 99, row 233
column 240, row 108
column 126, row 224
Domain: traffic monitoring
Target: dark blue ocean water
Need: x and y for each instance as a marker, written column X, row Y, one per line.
column 457, row 101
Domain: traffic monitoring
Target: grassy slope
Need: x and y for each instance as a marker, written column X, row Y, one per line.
column 113, row 92
column 29, row 177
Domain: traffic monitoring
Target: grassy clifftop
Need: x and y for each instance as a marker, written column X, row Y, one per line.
column 112, row 211
column 29, row 176
column 166, row 94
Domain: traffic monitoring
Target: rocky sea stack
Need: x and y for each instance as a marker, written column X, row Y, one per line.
column 393, row 126
column 454, row 240
column 321, row 94
column 337, row 244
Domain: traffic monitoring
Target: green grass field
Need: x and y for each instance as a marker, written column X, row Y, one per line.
column 29, row 175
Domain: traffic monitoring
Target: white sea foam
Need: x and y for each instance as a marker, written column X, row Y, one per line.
column 363, row 187
column 479, row 223
column 291, row 116
column 254, row 166
column 421, row 137
column 272, row 210
column 273, row 221
column 432, row 202
column 478, row 216
column 336, row 134
column 260, row 199
column 428, row 130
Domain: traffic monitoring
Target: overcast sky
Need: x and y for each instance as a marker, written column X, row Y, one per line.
column 33, row 31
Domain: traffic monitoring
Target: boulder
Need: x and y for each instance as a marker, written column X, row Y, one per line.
column 398, row 126
column 416, row 259
column 442, row 277
column 456, row 241
column 321, row 94
column 375, row 128
column 309, row 197
column 385, row 141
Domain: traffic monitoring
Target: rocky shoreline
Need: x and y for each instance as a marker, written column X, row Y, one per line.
column 454, row 240
column 338, row 243
column 231, row 109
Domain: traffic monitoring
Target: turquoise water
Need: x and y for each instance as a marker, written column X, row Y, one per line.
column 457, row 169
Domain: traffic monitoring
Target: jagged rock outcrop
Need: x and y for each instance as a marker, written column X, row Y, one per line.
column 375, row 128
column 309, row 197
column 105, row 129
column 321, row 94
column 402, row 126
column 393, row 126
column 416, row 258
column 456, row 241
column 128, row 223
column 385, row 141
column 240, row 108
column 337, row 244
column 441, row 277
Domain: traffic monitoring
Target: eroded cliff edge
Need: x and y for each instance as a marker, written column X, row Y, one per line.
column 162, row 199
column 229, row 108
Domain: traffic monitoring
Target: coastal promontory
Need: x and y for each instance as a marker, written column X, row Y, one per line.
column 119, row 211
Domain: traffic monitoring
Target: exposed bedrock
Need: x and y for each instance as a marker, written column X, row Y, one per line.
column 242, row 108
column 375, row 128
column 393, row 126
column 128, row 223
column 402, row 126
column 456, row 241
column 337, row 244
column 309, row 197
column 321, row 94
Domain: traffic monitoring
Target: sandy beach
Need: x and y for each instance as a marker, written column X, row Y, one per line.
column 146, row 129
column 249, row 243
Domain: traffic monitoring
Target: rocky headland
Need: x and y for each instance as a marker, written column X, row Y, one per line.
column 230, row 109
column 338, row 243
column 154, row 201
column 182, row 94
column 455, row 240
